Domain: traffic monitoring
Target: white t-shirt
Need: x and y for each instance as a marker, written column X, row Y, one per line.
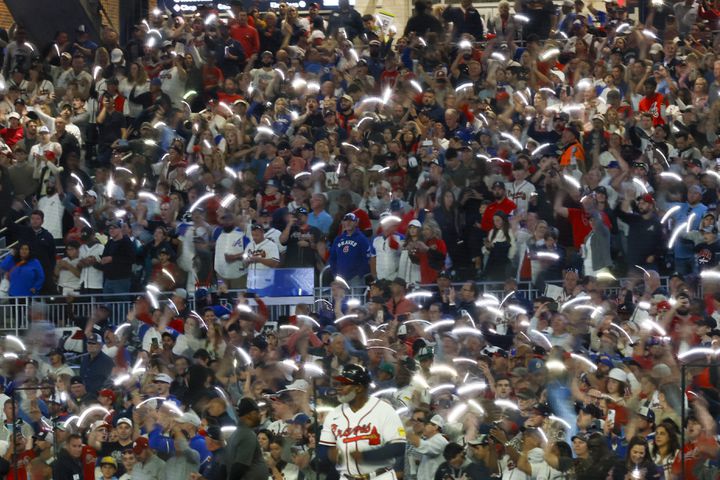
column 67, row 279
column 173, row 85
column 232, row 244
column 520, row 193
column 53, row 209
column 90, row 276
column 374, row 425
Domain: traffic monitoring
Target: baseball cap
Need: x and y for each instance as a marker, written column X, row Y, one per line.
column 140, row 445
column 77, row 380
column 438, row 421
column 590, row 409
column 245, row 406
column 94, row 338
column 106, row 392
column 43, row 129
column 605, row 360
column 189, row 417
column 299, row 419
column 647, row 413
column 214, row 432
column 425, row 352
column 16, row 116
column 526, row 394
column 45, row 436
column 535, row 365
column 163, row 378
column 108, row 461
column 483, row 439
column 124, row 420
column 98, row 424
column 301, row 211
column 415, row 223
column 350, row 216
column 498, row 184
column 299, row 385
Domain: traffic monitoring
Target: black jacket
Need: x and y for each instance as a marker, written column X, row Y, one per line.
column 66, row 467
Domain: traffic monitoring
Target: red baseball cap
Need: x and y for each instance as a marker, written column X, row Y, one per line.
column 141, row 444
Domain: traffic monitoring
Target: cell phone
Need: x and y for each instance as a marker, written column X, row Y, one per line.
column 154, row 342
column 611, row 416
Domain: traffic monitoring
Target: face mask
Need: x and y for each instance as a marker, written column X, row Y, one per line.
column 347, row 398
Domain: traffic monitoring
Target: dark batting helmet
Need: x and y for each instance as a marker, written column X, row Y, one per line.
column 353, row 374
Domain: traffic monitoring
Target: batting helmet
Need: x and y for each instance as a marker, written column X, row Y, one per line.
column 353, row 374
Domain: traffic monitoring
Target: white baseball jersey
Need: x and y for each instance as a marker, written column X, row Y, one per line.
column 374, row 425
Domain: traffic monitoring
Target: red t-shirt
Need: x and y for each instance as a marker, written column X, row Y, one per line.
column 427, row 273
column 505, row 205
column 654, row 106
column 580, row 223
column 23, row 462
column 11, row 136
column 89, row 460
column 248, row 38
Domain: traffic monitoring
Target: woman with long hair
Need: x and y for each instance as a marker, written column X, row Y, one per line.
column 137, row 80
column 637, row 462
column 409, row 263
column 23, row 271
column 499, row 248
column 593, row 459
column 665, row 448
column 447, row 215
column 39, row 86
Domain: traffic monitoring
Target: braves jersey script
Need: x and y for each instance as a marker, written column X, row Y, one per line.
column 520, row 193
column 231, row 243
column 374, row 425
column 350, row 255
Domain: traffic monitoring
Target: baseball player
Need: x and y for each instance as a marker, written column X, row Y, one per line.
column 363, row 436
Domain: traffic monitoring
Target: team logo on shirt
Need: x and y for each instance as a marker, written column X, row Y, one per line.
column 358, row 433
column 347, row 244
column 258, row 252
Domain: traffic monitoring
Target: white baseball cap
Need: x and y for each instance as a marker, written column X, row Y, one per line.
column 116, row 56
column 44, row 129
column 191, row 418
column 438, row 420
column 163, row 377
column 618, row 374
column 14, row 115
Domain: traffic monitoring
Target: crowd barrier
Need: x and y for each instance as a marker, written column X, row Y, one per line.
column 14, row 316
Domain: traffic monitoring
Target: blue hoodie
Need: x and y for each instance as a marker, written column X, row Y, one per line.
column 24, row 277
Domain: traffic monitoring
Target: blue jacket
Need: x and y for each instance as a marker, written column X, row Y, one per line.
column 96, row 371
column 23, row 278
column 350, row 255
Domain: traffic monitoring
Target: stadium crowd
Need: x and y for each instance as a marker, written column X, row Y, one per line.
column 565, row 146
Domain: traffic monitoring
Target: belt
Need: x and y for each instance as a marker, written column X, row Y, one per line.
column 368, row 476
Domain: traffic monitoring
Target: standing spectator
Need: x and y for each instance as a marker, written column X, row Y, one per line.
column 246, row 462
column 346, row 18
column 261, row 253
column 90, row 264
column 246, row 34
column 149, row 466
column 502, row 203
column 229, row 248
column 117, row 260
column 499, row 249
column 42, row 245
column 95, row 369
column 305, row 243
column 23, row 272
column 430, row 445
column 112, row 126
column 388, row 248
column 68, row 465
column 465, row 19
column 351, row 252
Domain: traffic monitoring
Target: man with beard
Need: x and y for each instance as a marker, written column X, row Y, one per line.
column 645, row 231
column 229, row 248
column 346, row 113
column 304, row 242
column 501, row 204
column 263, row 76
column 124, row 441
column 369, row 424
